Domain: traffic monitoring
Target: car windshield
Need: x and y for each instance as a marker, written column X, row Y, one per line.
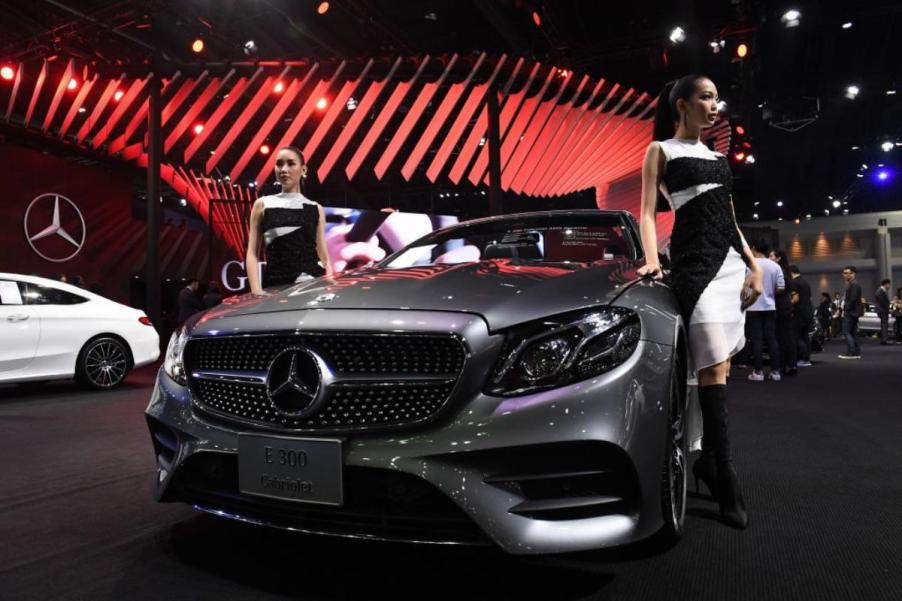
column 565, row 238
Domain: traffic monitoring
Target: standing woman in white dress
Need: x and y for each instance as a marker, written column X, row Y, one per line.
column 292, row 228
column 708, row 258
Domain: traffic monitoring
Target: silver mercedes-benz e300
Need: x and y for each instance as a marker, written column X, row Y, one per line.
column 507, row 380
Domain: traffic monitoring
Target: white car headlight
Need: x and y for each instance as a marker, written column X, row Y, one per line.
column 174, row 364
column 564, row 349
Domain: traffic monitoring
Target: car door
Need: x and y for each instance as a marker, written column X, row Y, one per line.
column 20, row 329
column 66, row 322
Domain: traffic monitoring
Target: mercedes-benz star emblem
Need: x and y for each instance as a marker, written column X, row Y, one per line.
column 296, row 382
column 37, row 228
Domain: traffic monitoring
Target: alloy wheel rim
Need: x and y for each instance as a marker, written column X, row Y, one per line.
column 677, row 459
column 106, row 364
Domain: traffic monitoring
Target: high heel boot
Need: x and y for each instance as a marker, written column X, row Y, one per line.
column 705, row 469
column 716, row 426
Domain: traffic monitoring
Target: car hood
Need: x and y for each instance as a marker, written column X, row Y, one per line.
column 502, row 291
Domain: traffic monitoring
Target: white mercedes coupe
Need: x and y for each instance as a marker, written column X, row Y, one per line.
column 50, row 330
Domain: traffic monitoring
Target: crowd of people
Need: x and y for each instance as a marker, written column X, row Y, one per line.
column 79, row 281
column 783, row 317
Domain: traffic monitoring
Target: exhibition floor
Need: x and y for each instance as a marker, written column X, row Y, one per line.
column 818, row 455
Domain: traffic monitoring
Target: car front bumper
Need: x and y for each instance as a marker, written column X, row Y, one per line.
column 501, row 470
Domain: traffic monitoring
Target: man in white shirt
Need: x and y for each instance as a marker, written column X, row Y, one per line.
column 761, row 317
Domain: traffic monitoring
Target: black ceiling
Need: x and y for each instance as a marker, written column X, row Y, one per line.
column 790, row 74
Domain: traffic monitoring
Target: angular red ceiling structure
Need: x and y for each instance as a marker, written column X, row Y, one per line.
column 424, row 118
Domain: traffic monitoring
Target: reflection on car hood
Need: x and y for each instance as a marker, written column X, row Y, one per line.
column 502, row 291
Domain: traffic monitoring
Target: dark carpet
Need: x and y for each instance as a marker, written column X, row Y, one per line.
column 819, row 456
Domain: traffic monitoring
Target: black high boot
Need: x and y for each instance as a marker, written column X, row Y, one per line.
column 705, row 468
column 716, row 426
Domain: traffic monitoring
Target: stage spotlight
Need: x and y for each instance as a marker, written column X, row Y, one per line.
column 721, row 106
column 779, row 203
column 82, row 110
column 197, row 46
column 856, row 148
column 279, row 87
column 890, row 92
column 808, row 216
column 321, row 104
column 199, row 127
column 755, row 216
column 883, row 175
column 677, row 35
column 740, row 130
column 73, row 84
column 847, row 25
column 750, row 159
column 537, row 18
column 7, row 72
column 852, row 91
column 742, row 50
column 183, row 202
column 118, row 95
column 322, row 8
column 250, row 48
column 264, row 149
column 845, row 211
column 717, row 45
column 352, row 104
column 887, row 146
column 864, row 166
column 836, row 204
column 791, row 18
column 826, row 211
column 740, row 156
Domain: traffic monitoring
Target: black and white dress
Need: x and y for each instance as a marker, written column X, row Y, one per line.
column 290, row 223
column 706, row 250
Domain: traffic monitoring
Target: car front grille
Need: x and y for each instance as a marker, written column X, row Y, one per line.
column 378, row 380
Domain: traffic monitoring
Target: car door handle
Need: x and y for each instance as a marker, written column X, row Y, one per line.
column 15, row 318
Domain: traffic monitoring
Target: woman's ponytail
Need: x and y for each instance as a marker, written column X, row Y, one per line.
column 664, row 115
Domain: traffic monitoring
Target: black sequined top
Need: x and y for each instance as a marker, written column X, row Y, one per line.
column 290, row 223
column 704, row 227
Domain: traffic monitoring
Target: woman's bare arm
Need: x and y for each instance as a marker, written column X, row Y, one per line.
column 251, row 261
column 652, row 172
column 321, row 249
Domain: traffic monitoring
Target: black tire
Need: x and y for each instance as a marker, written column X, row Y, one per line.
column 102, row 364
column 674, row 473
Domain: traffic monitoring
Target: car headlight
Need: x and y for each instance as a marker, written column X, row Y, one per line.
column 564, row 349
column 174, row 364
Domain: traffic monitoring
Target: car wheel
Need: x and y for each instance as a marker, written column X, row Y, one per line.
column 673, row 473
column 102, row 364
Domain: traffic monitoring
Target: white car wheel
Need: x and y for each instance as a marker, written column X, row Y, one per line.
column 102, row 364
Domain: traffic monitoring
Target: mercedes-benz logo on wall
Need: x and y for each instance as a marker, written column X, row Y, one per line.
column 51, row 227
column 297, row 382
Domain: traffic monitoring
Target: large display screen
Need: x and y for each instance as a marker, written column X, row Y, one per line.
column 354, row 238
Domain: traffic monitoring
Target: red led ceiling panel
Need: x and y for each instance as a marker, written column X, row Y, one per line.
column 555, row 137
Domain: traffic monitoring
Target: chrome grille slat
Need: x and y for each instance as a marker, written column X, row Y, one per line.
column 380, row 380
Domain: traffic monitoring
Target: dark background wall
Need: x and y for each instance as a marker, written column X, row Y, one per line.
column 114, row 248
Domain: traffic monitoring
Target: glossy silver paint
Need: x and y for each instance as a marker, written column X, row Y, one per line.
column 625, row 407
